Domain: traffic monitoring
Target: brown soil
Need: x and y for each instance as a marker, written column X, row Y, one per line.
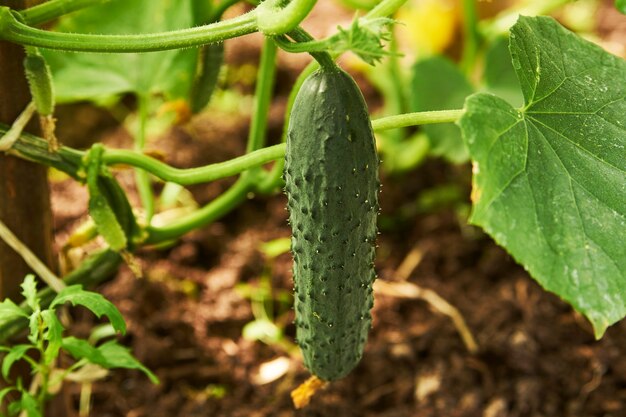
column 536, row 356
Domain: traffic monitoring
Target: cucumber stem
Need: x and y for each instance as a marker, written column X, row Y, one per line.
column 11, row 29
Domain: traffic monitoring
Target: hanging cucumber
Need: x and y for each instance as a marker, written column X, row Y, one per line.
column 209, row 64
column 210, row 57
column 331, row 175
column 41, row 87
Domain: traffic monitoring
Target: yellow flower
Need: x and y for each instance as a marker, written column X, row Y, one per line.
column 427, row 26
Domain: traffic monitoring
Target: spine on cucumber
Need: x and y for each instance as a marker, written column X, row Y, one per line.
column 331, row 176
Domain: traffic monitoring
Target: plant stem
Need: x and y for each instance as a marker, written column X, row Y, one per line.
column 272, row 179
column 217, row 208
column 68, row 159
column 85, row 399
column 13, row 30
column 300, row 47
column 8, row 138
column 397, row 103
column 237, row 193
column 52, row 9
column 192, row 176
column 324, row 59
column 263, row 96
column 30, row 258
column 142, row 179
column 414, row 119
column 274, row 19
column 471, row 37
column 385, row 8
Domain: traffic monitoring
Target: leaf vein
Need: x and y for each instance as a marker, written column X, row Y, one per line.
column 585, row 150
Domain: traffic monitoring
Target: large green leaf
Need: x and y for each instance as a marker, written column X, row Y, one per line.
column 100, row 76
column 438, row 84
column 550, row 179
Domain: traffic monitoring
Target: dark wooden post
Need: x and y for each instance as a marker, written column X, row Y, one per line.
column 24, row 191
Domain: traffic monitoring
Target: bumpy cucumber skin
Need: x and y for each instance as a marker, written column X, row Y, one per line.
column 39, row 79
column 331, row 176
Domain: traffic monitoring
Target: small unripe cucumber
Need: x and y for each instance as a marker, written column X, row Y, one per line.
column 40, row 82
column 210, row 63
column 331, row 176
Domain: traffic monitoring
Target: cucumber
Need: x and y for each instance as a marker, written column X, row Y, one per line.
column 41, row 87
column 40, row 82
column 210, row 62
column 331, row 182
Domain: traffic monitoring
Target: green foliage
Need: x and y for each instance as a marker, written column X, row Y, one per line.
column 46, row 341
column 549, row 178
column 621, row 6
column 14, row 354
column 108, row 355
column 9, row 310
column 365, row 38
column 95, row 302
column 438, row 84
column 99, row 77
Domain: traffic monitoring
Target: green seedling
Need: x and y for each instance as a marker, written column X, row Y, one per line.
column 46, row 341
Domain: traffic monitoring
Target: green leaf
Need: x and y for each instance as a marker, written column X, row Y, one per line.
column 33, row 326
column 101, row 332
column 117, row 356
column 81, row 349
column 95, row 302
column 550, row 180
column 53, row 335
column 364, row 38
column 621, row 6
column 499, row 75
column 88, row 76
column 29, row 291
column 30, row 405
column 109, row 355
column 4, row 392
column 10, row 311
column 15, row 406
column 438, row 84
column 16, row 353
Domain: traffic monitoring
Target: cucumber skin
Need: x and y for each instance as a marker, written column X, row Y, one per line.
column 331, row 177
column 39, row 79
